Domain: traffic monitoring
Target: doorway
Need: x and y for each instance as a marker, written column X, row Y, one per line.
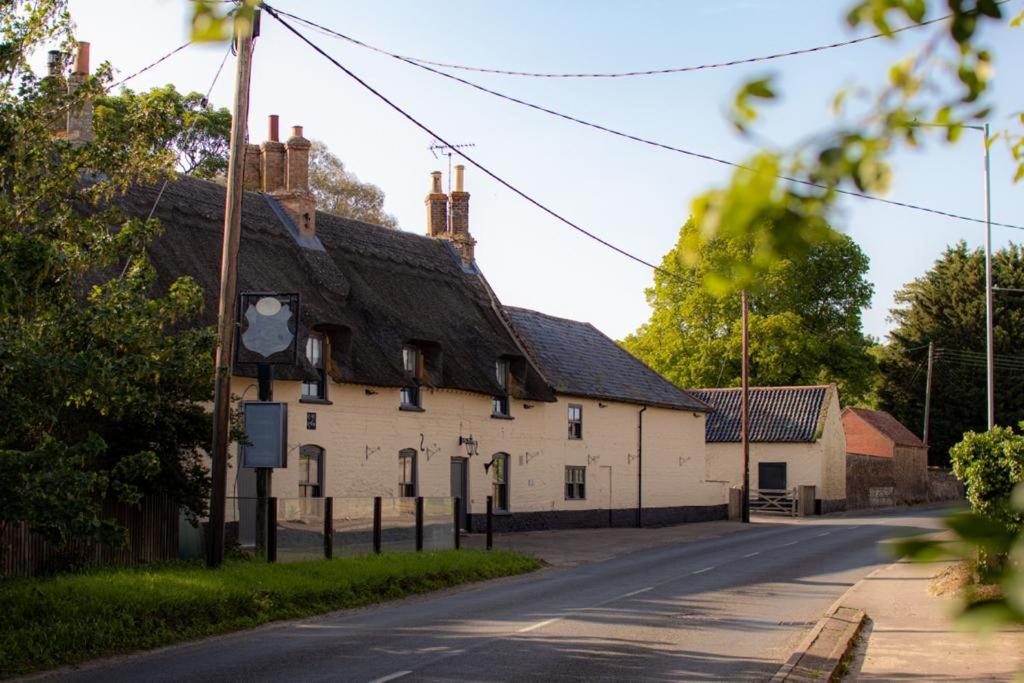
column 771, row 476
column 460, row 488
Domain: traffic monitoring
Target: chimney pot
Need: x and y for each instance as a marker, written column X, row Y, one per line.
column 437, row 208
column 459, row 172
column 272, row 130
column 296, row 131
column 82, row 59
column 435, row 183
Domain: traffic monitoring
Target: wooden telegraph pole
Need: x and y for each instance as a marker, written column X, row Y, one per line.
column 226, row 312
column 928, row 392
column 745, row 413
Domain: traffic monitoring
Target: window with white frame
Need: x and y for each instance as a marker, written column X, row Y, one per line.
column 407, row 473
column 311, row 471
column 412, row 363
column 317, row 388
column 575, row 482
column 575, row 421
column 500, row 403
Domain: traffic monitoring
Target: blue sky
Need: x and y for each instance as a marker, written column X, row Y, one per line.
column 632, row 195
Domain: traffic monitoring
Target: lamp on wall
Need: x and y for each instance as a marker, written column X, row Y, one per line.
column 472, row 446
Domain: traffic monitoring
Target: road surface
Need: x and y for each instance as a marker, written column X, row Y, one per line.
column 726, row 608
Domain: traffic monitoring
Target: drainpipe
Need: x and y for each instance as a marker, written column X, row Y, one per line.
column 640, row 470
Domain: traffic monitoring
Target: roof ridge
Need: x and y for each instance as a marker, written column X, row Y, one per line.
column 552, row 317
column 754, row 388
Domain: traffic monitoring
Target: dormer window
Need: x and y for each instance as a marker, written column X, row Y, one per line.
column 316, row 389
column 500, row 403
column 412, row 363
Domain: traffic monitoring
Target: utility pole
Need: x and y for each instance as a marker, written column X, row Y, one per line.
column 928, row 392
column 226, row 310
column 745, row 414
column 990, row 370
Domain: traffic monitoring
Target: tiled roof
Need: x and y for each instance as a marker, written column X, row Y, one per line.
column 577, row 359
column 888, row 425
column 777, row 414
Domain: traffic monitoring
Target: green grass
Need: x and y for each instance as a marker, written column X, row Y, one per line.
column 70, row 618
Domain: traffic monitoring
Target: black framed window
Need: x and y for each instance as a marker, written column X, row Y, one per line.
column 315, row 347
column 407, row 473
column 412, row 363
column 311, row 472
column 500, row 403
column 575, row 482
column 575, row 421
column 499, row 470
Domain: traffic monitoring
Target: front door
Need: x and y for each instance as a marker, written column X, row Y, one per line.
column 771, row 476
column 460, row 487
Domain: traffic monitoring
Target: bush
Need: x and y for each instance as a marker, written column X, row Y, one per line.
column 990, row 464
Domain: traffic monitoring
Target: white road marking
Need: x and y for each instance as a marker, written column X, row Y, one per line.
column 642, row 590
column 701, row 571
column 752, row 554
column 825, row 534
column 540, row 624
column 391, row 677
column 851, row 528
column 790, row 543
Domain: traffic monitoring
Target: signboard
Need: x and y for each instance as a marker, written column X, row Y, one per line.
column 266, row 428
column 269, row 328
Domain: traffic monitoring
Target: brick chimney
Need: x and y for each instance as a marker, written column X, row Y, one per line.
column 295, row 197
column 272, row 159
column 437, row 208
column 460, row 236
column 79, row 121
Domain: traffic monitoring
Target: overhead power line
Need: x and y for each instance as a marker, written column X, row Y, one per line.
column 647, row 72
column 637, row 138
column 551, row 212
column 149, row 66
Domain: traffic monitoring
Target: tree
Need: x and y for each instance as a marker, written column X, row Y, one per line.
column 339, row 191
column 102, row 378
column 197, row 133
column 805, row 318
column 946, row 306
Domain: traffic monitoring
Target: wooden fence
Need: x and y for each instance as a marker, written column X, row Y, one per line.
column 152, row 537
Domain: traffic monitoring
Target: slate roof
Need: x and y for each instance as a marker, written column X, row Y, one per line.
column 578, row 360
column 376, row 288
column 888, row 425
column 777, row 414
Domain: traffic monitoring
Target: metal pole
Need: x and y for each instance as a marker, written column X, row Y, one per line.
column 745, row 413
column 377, row 526
column 228, row 303
column 329, row 528
column 928, row 392
column 457, row 510
column 989, row 341
column 272, row 529
column 489, row 528
column 419, row 523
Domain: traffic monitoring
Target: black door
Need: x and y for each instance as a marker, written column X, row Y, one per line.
column 460, row 487
column 771, row 475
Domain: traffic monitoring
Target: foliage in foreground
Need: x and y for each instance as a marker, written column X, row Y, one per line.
column 991, row 535
column 805, row 318
column 74, row 617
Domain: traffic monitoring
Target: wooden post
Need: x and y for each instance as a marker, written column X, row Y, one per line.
column 928, row 392
column 457, row 504
column 490, row 527
column 329, row 528
column 419, row 523
column 272, row 529
column 377, row 524
column 228, row 302
column 745, row 412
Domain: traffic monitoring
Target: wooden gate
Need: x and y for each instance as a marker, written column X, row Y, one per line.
column 774, row 501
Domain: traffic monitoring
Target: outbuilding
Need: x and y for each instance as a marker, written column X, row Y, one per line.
column 886, row 463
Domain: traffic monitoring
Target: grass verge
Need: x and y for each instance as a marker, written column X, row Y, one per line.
column 70, row 618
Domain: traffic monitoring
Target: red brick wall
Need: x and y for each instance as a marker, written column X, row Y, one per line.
column 862, row 438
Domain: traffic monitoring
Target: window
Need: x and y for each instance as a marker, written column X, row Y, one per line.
column 315, row 354
column 311, row 471
column 499, row 406
column 499, row 470
column 575, row 421
column 412, row 363
column 575, row 483
column 407, row 473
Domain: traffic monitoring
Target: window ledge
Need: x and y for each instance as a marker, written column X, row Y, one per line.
column 317, row 401
column 495, row 416
column 579, row 500
column 411, row 409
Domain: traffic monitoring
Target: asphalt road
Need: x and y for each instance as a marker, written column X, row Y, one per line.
column 727, row 608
